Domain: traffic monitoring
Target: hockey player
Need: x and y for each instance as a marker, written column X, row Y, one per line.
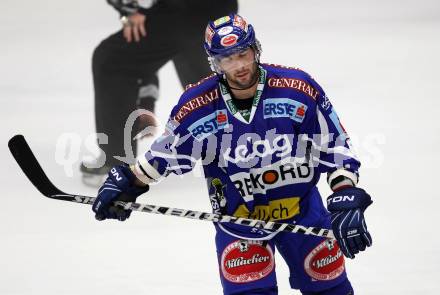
column 264, row 134
column 125, row 64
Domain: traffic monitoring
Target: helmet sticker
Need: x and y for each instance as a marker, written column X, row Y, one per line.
column 229, row 40
column 209, row 33
column 240, row 22
column 221, row 21
column 225, row 30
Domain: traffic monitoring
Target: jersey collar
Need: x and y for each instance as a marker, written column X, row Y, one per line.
column 230, row 104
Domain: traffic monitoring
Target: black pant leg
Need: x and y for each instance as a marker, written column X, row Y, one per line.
column 118, row 68
column 148, row 92
column 191, row 65
column 115, row 98
column 191, row 62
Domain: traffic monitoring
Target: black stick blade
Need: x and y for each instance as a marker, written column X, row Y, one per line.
column 25, row 158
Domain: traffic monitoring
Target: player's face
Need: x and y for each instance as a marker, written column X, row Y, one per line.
column 240, row 68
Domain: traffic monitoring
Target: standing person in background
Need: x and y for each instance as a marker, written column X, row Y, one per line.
column 125, row 66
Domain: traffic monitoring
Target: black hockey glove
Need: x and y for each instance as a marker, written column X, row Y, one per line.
column 119, row 186
column 347, row 208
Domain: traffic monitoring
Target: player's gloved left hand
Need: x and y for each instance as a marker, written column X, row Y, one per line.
column 119, row 186
column 347, row 208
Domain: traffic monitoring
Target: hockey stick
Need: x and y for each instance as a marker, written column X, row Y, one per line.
column 32, row 169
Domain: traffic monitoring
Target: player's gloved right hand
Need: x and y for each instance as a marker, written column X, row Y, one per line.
column 119, row 186
column 347, row 208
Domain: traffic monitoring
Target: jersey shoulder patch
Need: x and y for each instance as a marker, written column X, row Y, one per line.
column 294, row 79
column 196, row 98
column 203, row 80
column 282, row 68
column 286, row 71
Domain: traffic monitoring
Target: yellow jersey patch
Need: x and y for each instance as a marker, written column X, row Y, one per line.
column 276, row 210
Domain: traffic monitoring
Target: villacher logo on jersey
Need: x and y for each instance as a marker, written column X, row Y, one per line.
column 325, row 262
column 240, row 261
column 245, row 261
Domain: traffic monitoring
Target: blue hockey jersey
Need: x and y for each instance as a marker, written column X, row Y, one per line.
column 268, row 159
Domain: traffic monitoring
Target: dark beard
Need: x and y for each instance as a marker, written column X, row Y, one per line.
column 250, row 84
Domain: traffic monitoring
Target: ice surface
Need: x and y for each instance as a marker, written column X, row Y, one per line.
column 377, row 60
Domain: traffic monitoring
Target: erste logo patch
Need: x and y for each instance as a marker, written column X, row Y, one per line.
column 284, row 108
column 209, row 124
